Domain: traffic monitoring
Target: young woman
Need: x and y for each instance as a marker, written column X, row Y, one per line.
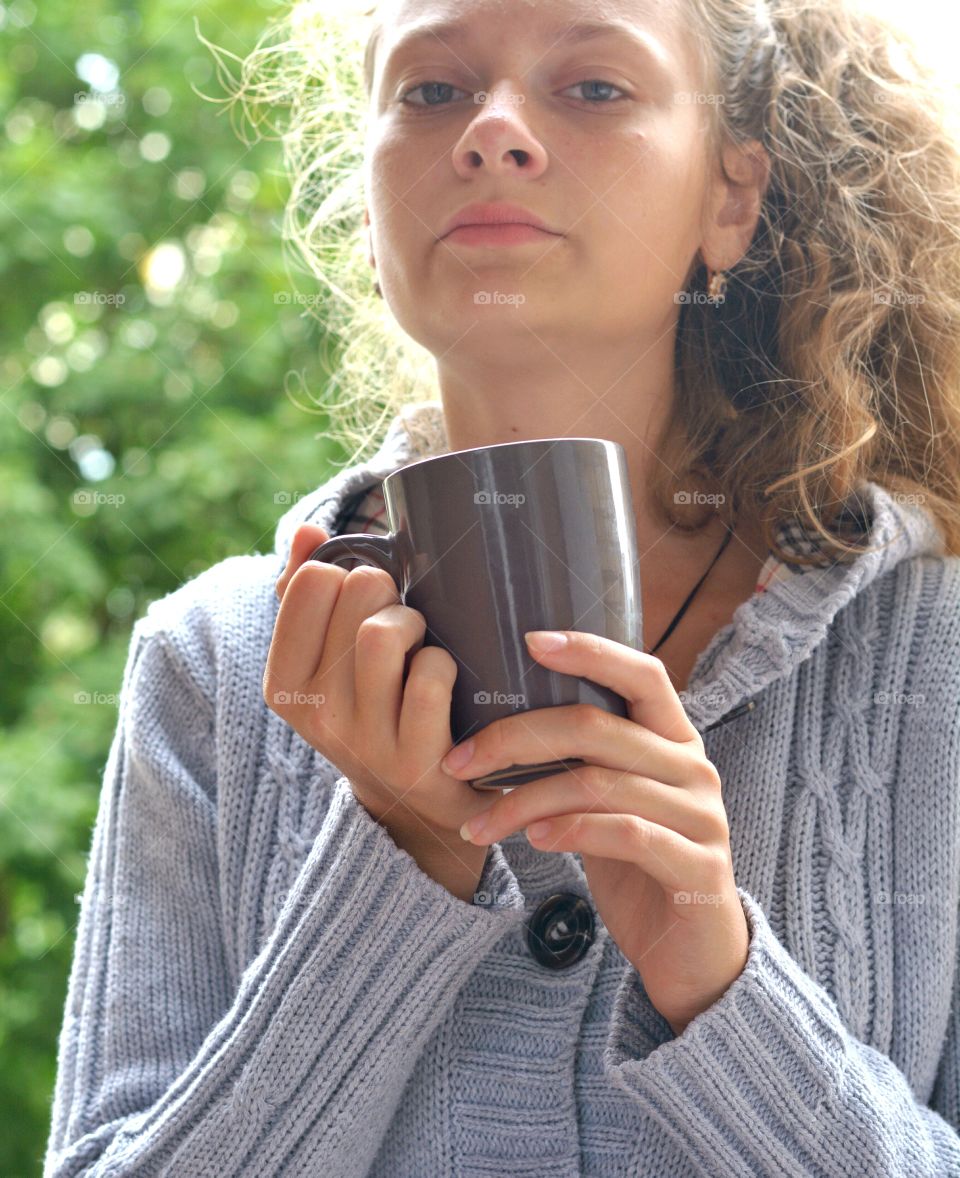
column 733, row 948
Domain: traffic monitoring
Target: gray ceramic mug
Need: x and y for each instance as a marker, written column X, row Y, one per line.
column 491, row 542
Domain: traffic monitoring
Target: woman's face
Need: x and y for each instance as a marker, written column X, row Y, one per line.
column 603, row 137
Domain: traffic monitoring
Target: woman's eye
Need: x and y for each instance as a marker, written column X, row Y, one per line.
column 428, row 88
column 440, row 92
column 598, row 82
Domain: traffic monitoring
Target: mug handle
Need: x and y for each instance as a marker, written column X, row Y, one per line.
column 380, row 551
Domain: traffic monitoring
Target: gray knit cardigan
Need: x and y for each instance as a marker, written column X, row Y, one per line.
column 264, row 983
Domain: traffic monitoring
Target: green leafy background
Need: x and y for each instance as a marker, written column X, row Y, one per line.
column 145, row 429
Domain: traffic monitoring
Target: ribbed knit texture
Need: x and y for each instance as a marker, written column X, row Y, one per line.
column 264, row 984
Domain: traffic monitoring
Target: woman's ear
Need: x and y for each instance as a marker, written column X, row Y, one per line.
column 737, row 197
column 366, row 221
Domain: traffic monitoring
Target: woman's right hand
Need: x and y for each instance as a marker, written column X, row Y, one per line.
column 335, row 673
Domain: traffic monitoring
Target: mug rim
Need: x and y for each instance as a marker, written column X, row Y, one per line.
column 496, row 446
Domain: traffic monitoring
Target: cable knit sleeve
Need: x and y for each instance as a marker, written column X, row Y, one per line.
column 164, row 1066
column 946, row 1091
column 767, row 1081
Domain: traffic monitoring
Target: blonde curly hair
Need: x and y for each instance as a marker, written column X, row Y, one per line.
column 834, row 356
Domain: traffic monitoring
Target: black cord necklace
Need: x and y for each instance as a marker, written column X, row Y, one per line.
column 690, row 596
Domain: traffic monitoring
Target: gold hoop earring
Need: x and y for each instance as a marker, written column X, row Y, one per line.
column 716, row 285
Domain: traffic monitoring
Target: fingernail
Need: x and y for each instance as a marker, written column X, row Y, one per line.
column 545, row 639
column 473, row 826
column 458, row 757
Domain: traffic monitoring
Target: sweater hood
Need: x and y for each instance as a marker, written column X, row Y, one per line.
column 769, row 634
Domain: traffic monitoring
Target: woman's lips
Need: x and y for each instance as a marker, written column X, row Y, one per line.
column 511, row 233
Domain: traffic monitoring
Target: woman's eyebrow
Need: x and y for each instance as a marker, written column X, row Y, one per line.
column 457, row 32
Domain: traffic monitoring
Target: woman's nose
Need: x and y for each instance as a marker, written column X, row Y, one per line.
column 499, row 138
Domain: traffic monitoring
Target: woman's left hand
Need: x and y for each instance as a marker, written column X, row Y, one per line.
column 644, row 812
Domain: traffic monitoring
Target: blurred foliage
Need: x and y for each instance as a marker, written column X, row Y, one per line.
column 149, row 335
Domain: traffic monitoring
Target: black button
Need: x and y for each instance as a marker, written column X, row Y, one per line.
column 561, row 930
